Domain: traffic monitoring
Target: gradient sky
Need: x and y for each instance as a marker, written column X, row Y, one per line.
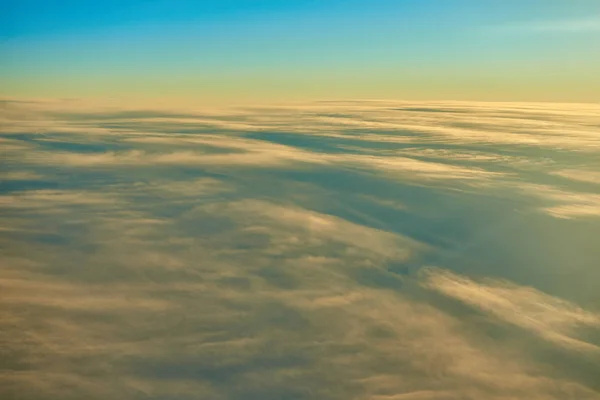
column 251, row 50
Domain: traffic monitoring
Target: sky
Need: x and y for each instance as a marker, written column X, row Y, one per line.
column 272, row 50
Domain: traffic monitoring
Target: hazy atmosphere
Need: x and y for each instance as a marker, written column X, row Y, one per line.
column 261, row 200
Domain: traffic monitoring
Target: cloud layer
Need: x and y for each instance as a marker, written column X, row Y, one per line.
column 335, row 250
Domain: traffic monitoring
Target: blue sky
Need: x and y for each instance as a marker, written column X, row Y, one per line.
column 456, row 49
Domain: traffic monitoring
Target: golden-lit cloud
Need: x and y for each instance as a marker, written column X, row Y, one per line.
column 551, row 318
column 283, row 252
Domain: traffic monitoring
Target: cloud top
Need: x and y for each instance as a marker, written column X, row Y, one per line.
column 285, row 252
